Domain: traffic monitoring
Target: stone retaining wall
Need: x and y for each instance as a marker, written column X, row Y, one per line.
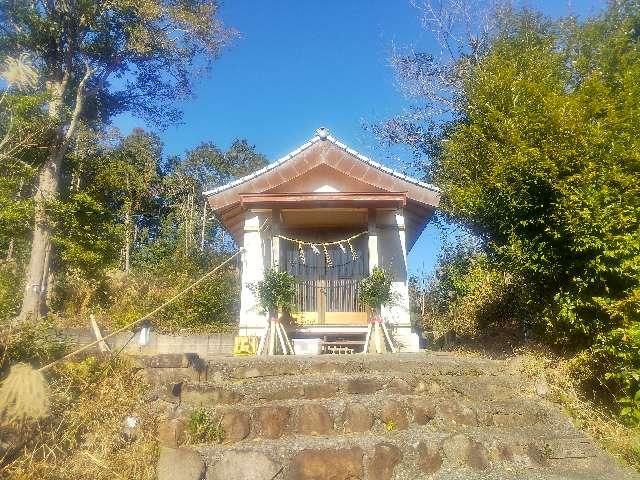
column 205, row 346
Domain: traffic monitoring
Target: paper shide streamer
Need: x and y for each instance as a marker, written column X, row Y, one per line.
column 327, row 256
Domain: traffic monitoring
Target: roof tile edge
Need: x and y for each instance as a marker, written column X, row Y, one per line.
column 315, row 139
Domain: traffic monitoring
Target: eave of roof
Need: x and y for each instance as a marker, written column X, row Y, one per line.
column 336, row 199
column 322, row 135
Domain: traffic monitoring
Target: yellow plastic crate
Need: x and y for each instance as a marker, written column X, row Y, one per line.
column 244, row 345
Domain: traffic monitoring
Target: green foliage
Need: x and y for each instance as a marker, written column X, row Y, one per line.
column 10, row 290
column 541, row 160
column 121, row 193
column 87, row 237
column 276, row 291
column 614, row 360
column 545, row 167
column 375, row 290
column 157, row 48
column 203, row 428
column 468, row 296
column 38, row 344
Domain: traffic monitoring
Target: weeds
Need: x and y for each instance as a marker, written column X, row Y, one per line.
column 203, row 428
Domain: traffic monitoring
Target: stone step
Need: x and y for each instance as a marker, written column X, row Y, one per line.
column 411, row 455
column 494, row 388
column 160, row 368
column 375, row 413
column 367, row 417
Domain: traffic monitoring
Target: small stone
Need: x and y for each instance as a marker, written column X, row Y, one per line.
column 424, row 410
column 130, row 428
column 271, row 421
column 463, row 450
column 458, row 413
column 235, row 425
column 429, row 458
column 172, row 432
column 542, row 388
column 285, row 393
column 427, row 387
column 363, row 386
column 343, row 464
column 505, row 453
column 209, row 396
column 536, row 454
column 400, row 386
column 320, row 390
column 244, row 465
column 313, row 420
column 477, row 456
column 179, row 464
column 385, row 458
column 455, row 448
column 394, row 415
column 357, row 418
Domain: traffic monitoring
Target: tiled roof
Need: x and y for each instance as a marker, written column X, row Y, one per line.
column 322, row 134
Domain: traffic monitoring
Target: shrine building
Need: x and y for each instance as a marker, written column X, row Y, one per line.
column 327, row 215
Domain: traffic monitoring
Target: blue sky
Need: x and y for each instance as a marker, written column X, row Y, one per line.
column 299, row 65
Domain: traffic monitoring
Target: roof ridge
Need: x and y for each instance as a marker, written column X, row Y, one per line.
column 322, row 134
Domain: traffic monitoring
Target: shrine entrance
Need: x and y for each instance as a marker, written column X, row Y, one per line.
column 327, row 277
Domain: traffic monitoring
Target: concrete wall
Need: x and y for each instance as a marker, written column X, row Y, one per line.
column 205, row 346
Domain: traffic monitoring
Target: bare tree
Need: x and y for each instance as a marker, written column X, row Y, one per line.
column 433, row 81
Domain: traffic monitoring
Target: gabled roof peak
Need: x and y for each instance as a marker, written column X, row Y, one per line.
column 323, row 134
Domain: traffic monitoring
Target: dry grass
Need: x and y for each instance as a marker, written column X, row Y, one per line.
column 595, row 418
column 85, row 435
column 538, row 365
column 24, row 395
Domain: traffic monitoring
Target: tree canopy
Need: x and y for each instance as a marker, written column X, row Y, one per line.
column 533, row 138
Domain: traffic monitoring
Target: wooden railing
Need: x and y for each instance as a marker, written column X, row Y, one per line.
column 340, row 295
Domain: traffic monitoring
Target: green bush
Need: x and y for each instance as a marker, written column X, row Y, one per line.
column 375, row 290
column 119, row 298
column 468, row 296
column 10, row 290
column 541, row 161
column 37, row 344
column 276, row 292
column 614, row 362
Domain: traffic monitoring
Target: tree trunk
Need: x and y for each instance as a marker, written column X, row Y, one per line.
column 127, row 238
column 204, row 224
column 12, row 242
column 9, row 256
column 37, row 271
column 47, row 190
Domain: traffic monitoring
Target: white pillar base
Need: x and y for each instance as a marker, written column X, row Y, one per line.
column 407, row 342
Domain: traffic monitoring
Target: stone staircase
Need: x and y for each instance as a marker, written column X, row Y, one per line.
column 370, row 417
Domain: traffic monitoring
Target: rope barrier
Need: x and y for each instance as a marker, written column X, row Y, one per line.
column 148, row 315
column 335, row 242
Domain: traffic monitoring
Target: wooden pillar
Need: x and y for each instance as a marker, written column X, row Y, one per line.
column 275, row 240
column 372, row 239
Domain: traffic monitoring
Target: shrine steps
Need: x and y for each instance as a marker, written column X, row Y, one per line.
column 371, row 417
